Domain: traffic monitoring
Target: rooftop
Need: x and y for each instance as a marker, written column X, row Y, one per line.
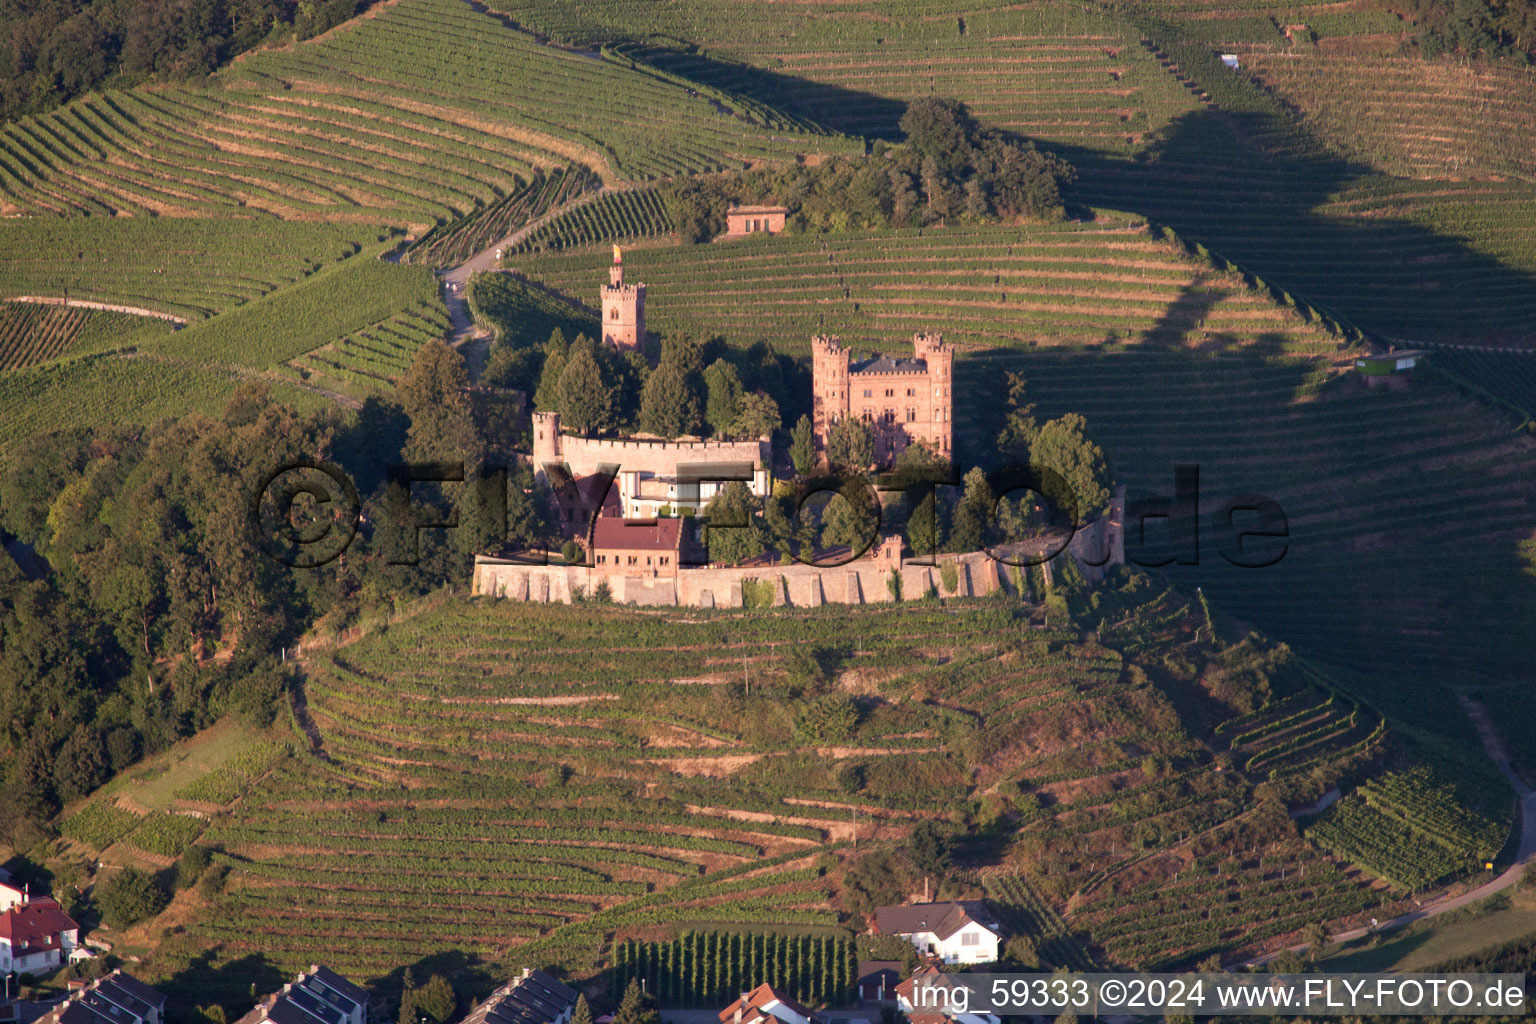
column 637, row 534
column 758, row 209
column 34, row 923
column 888, row 364
column 941, row 919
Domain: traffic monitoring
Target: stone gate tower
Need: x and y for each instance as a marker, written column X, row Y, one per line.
column 623, row 308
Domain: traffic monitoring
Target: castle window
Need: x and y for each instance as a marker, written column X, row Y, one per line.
column 613, row 314
column 867, row 393
column 890, row 392
column 911, row 415
column 911, row 392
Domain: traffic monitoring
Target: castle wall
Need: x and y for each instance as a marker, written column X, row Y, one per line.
column 796, row 585
column 654, row 458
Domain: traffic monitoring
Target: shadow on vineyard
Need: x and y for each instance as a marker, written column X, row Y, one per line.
column 1220, row 178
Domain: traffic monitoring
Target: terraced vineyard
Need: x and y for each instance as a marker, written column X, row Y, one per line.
column 1380, row 482
column 422, row 112
column 1410, row 829
column 33, row 332
column 985, row 285
column 660, row 810
column 710, row 969
column 192, row 268
column 1410, row 116
column 616, row 217
column 455, row 243
column 376, row 357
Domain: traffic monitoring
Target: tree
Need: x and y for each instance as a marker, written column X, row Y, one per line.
column 432, row 394
column 827, row 719
column 851, row 444
column 849, row 518
column 1020, row 428
column 586, row 401
column 757, row 415
column 129, row 897
column 407, row 1014
column 79, row 764
column 668, row 407
column 1062, row 445
column 976, row 202
column 547, row 397
column 582, row 1012
column 973, row 515
column 633, row 1008
column 923, row 532
column 436, row 999
column 928, row 849
column 939, row 129
column 724, row 393
column 802, row 446
column 728, row 543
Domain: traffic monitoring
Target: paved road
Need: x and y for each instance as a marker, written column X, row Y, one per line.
column 1525, row 853
column 456, row 279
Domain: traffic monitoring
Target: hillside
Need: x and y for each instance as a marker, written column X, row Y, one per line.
column 1098, row 765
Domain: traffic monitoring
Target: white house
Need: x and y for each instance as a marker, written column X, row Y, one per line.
column 959, row 932
column 36, row 936
column 10, row 895
column 764, row 1005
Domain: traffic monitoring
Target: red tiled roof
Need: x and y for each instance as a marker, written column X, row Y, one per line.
column 753, row 1002
column 31, row 924
column 637, row 534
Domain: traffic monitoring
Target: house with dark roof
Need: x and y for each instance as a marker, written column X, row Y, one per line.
column 766, row 1005
column 956, row 932
column 116, row 998
column 36, row 936
column 922, row 1009
column 532, row 997
column 878, row 980
column 316, row 996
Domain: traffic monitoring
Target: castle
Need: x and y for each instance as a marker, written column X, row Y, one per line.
column 623, row 309
column 902, row 400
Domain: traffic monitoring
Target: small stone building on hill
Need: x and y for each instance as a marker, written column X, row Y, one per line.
column 754, row 220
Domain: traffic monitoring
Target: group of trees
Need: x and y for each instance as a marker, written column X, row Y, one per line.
column 950, row 166
column 696, row 388
column 153, row 571
column 54, row 50
column 1493, row 27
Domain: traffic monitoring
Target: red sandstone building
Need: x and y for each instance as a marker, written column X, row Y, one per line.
column 902, row 400
column 636, row 547
column 623, row 308
column 753, row 220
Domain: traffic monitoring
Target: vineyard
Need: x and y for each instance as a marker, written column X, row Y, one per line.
column 454, row 243
column 104, row 391
column 615, row 217
column 1413, row 117
column 376, row 357
column 328, row 305
column 35, row 332
column 1105, row 282
column 1410, row 829
column 1375, row 488
column 189, row 267
column 712, row 969
column 445, row 807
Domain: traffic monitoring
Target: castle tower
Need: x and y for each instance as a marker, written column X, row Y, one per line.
column 931, row 349
column 623, row 308
column 546, row 442
column 829, row 386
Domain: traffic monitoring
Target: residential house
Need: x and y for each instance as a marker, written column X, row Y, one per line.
column 36, row 936
column 958, row 932
column 533, row 997
column 317, row 996
column 116, row 998
column 921, row 1011
column 765, row 1005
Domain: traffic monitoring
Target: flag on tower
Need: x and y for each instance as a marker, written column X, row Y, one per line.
column 618, row 257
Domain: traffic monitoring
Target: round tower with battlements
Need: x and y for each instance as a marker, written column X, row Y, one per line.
column 829, row 386
column 623, row 308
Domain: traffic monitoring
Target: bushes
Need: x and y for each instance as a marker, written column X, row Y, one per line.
column 128, row 897
column 826, row 719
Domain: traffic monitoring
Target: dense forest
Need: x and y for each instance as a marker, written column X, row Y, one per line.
column 1492, row 27
column 53, row 50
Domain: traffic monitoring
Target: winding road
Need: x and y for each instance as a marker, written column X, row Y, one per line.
column 1525, row 852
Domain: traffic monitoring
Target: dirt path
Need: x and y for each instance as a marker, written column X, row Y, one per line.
column 108, row 307
column 1525, row 854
